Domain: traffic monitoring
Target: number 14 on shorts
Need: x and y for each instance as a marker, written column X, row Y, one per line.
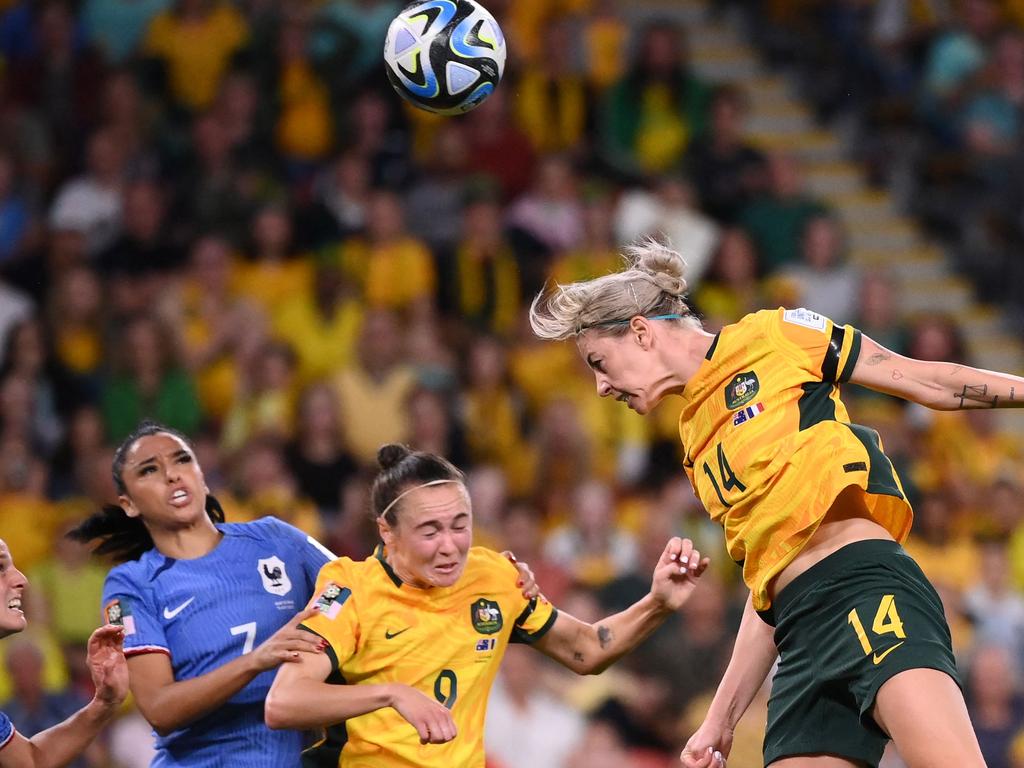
column 887, row 621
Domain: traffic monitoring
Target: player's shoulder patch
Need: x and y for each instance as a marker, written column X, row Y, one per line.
column 331, row 598
column 806, row 318
column 120, row 613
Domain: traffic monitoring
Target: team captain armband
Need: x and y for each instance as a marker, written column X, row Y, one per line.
column 534, row 622
column 836, row 346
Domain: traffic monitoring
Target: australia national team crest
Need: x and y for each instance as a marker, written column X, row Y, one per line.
column 741, row 390
column 275, row 577
column 486, row 616
column 119, row 613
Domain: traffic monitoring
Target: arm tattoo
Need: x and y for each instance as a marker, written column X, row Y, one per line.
column 604, row 636
column 977, row 393
column 1013, row 391
column 878, row 357
column 577, row 656
column 896, row 375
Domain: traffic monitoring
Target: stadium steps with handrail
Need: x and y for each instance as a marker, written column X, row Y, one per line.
column 879, row 236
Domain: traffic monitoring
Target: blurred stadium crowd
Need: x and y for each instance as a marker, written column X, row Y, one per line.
column 218, row 215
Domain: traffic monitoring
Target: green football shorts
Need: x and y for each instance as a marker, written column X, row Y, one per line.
column 844, row 627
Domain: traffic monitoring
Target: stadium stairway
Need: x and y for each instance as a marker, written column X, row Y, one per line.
column 880, row 236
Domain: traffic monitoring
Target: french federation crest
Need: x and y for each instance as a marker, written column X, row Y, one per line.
column 486, row 616
column 741, row 390
column 275, row 577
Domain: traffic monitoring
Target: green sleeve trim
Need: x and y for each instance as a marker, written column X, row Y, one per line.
column 329, row 650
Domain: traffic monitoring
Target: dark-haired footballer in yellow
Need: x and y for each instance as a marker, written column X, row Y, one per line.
column 414, row 635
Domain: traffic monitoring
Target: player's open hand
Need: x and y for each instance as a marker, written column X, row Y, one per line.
column 708, row 747
column 107, row 664
column 527, row 582
column 676, row 574
column 288, row 642
column 431, row 719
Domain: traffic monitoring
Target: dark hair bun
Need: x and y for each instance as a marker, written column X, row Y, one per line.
column 391, row 455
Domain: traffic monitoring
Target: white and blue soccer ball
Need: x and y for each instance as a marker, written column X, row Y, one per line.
column 444, row 56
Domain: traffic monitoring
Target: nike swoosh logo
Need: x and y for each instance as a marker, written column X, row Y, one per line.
column 877, row 658
column 389, row 634
column 169, row 614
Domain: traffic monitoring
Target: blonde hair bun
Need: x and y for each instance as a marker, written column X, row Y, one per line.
column 664, row 267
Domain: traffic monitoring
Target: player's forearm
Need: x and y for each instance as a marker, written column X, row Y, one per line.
column 176, row 705
column 957, row 387
column 752, row 659
column 59, row 745
column 304, row 703
column 939, row 385
column 609, row 640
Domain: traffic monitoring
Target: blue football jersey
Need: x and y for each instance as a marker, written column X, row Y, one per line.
column 209, row 610
column 6, row 730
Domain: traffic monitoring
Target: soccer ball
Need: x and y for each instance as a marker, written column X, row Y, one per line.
column 445, row 56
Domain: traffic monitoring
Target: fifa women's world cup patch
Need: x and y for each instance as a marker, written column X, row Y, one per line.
column 486, row 616
column 119, row 613
column 330, row 600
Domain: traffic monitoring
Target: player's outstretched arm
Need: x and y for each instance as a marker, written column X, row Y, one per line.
column 300, row 698
column 938, row 385
column 752, row 659
column 589, row 649
column 66, row 741
column 169, row 704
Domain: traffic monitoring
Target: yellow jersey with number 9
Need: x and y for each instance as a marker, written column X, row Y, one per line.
column 446, row 642
column 769, row 445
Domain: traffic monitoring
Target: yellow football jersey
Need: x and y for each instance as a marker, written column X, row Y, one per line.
column 446, row 642
column 769, row 444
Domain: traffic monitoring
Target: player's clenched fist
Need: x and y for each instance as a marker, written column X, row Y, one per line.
column 431, row 719
column 288, row 642
column 708, row 747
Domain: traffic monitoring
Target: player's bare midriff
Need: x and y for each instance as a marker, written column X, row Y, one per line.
column 845, row 522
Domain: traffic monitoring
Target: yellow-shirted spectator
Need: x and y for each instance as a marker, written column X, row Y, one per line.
column 591, row 545
column 375, row 388
column 482, row 287
column 273, row 273
column 74, row 320
column 732, row 288
column 211, row 323
column 551, row 101
column 605, row 37
column 949, row 559
column 27, row 518
column 492, row 415
column 266, row 407
column 535, row 366
column 196, row 40
column 69, row 612
column 267, row 489
column 305, row 127
column 322, row 321
column 598, row 254
column 395, row 269
column 966, row 453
